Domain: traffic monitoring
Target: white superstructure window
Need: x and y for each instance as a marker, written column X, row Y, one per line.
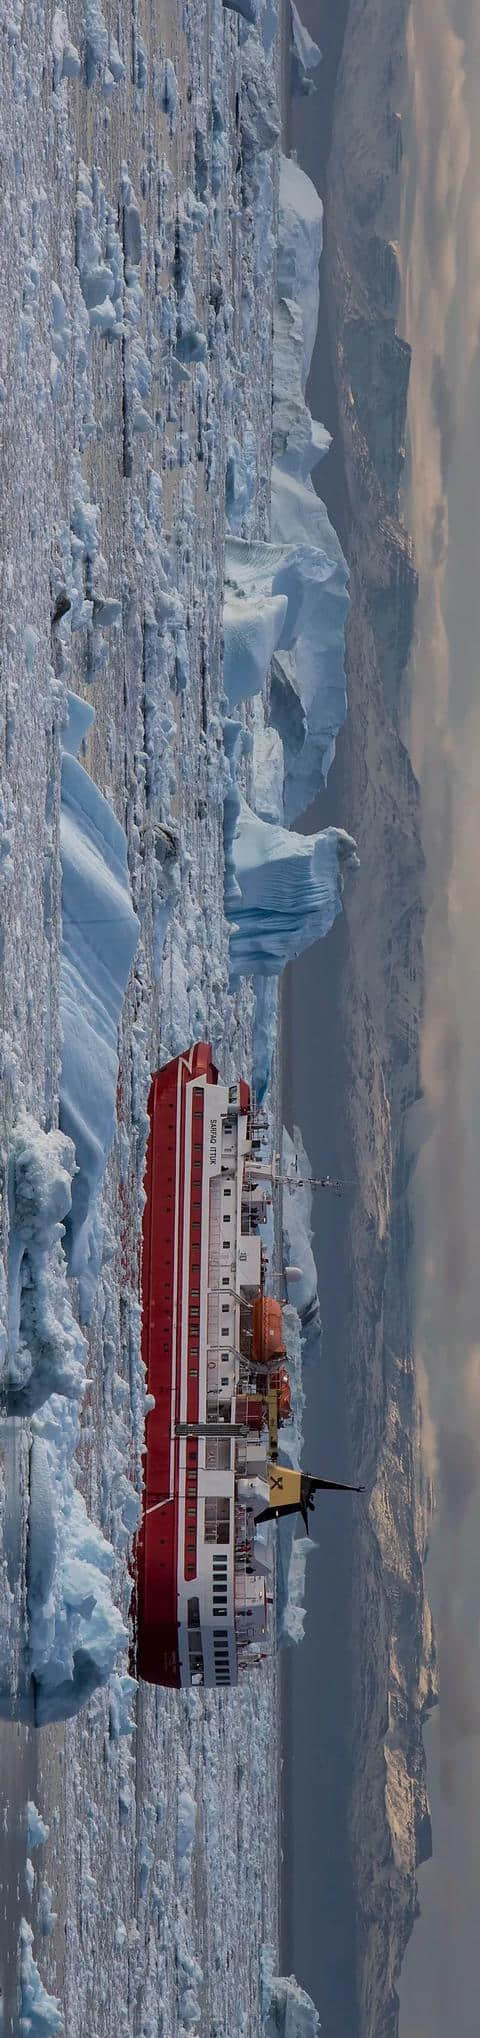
column 217, row 1519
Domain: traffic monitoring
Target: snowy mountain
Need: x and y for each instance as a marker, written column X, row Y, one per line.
column 396, row 1681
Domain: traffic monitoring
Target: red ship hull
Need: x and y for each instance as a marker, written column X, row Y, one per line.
column 157, row 1555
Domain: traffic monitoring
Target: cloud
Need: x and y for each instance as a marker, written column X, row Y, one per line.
column 460, row 1696
column 443, row 412
column 449, row 1215
column 472, row 1382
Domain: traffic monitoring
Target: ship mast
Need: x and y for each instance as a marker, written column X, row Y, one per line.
column 263, row 1171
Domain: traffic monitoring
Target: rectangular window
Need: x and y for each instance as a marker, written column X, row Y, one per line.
column 217, row 1520
column 217, row 1454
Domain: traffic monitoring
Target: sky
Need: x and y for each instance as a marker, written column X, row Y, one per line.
column 440, row 315
column 441, row 318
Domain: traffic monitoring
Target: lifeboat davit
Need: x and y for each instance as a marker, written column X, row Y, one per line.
column 268, row 1342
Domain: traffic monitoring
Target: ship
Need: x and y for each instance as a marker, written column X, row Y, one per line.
column 217, row 1386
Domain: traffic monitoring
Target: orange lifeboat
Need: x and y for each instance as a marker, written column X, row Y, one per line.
column 268, row 1342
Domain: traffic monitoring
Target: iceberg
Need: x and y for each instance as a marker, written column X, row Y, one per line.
column 264, row 1033
column 248, row 8
column 288, row 2012
column 290, row 596
column 46, row 1349
column 99, row 938
column 300, row 242
column 74, row 1630
column 282, row 890
column 267, row 768
column 40, row 2014
column 317, row 673
column 294, row 1612
column 310, row 693
column 304, row 54
column 297, row 1233
column 240, row 478
column 252, row 628
column 298, row 443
